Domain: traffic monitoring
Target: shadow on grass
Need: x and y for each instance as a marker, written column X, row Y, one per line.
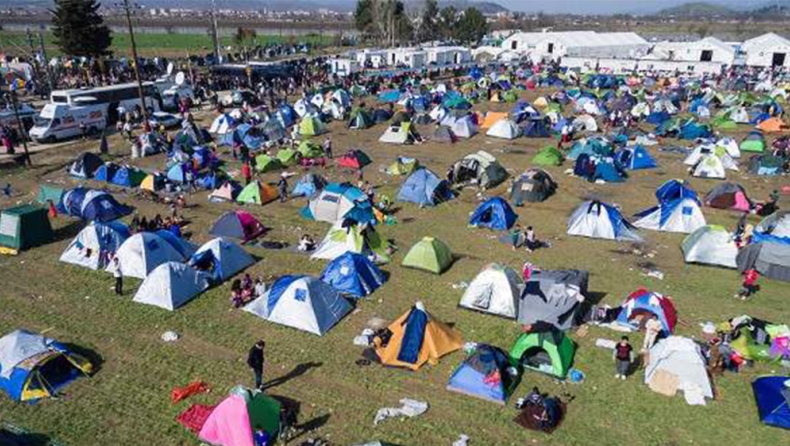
column 297, row 371
column 91, row 355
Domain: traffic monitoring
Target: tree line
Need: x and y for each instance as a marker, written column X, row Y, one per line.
column 390, row 22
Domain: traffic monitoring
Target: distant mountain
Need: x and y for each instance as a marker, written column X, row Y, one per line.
column 696, row 9
column 485, row 7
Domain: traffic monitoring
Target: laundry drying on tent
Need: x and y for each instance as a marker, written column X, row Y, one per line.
column 553, row 297
column 429, row 254
column 302, row 302
column 416, row 338
column 33, row 367
column 486, row 374
column 425, row 188
column 171, row 285
column 479, row 168
column 596, row 219
column 360, row 238
column 353, row 274
column 710, row 245
column 495, row 290
column 677, row 363
column 494, row 213
column 94, row 246
column 534, row 185
column 220, row 259
column 92, row 205
column 548, row 351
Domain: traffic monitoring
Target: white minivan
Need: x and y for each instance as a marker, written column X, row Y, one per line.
column 62, row 121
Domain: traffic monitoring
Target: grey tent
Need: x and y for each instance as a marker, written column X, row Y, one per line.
column 776, row 225
column 443, row 134
column 554, row 297
column 770, row 259
column 532, row 186
column 479, row 168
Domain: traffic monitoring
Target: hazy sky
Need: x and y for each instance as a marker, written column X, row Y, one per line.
column 610, row 6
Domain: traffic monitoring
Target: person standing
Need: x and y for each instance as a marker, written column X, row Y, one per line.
column 623, row 355
column 118, row 275
column 653, row 328
column 749, row 286
column 255, row 359
column 282, row 188
column 246, row 172
column 328, row 148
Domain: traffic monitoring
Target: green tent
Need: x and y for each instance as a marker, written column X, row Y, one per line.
column 309, row 149
column 264, row 412
column 548, row 156
column 24, row 227
column 360, row 121
column 754, row 142
column 311, row 126
column 403, row 166
column 257, row 193
column 264, row 163
column 510, row 96
column 549, row 352
column 47, row 193
column 429, row 254
column 723, row 123
column 288, row 157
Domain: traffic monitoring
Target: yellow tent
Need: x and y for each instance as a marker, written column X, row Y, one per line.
column 541, row 102
column 149, row 183
column 438, row 339
column 491, row 119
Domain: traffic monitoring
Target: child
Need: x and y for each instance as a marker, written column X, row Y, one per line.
column 623, row 356
column 749, row 286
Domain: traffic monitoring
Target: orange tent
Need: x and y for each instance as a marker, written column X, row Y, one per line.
column 772, row 125
column 438, row 339
column 491, row 119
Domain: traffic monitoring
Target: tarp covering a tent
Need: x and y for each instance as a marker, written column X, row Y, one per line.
column 676, row 363
column 554, row 297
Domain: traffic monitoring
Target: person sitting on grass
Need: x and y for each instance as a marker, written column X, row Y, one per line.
column 306, row 243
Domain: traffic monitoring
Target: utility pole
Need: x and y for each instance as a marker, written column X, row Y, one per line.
column 45, row 59
column 22, row 130
column 126, row 8
column 215, row 30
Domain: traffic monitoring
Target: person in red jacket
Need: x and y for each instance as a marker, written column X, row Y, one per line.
column 246, row 172
column 749, row 286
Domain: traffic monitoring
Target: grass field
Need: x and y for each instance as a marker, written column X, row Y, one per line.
column 156, row 44
column 127, row 401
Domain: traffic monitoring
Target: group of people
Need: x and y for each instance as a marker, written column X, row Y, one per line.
column 172, row 224
column 245, row 290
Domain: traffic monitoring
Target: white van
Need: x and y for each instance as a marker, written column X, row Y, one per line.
column 62, row 121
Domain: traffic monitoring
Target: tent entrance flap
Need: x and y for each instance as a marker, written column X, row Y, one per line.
column 538, row 359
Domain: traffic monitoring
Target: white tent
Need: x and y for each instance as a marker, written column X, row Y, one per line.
column 676, row 363
column 464, row 128
column 710, row 166
column 92, row 247
column 143, row 252
column 595, row 219
column 730, row 145
column 301, row 302
column 333, row 202
column 586, row 123
column 303, row 108
column 710, row 245
column 222, row 124
column 721, row 150
column 224, row 258
column 505, row 129
column 495, row 290
column 675, row 216
column 171, row 285
column 439, row 113
column 396, row 134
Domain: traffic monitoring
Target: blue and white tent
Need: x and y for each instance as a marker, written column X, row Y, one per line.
column 636, row 158
column 337, row 202
column 682, row 215
column 92, row 247
column 308, row 185
column 177, row 173
column 353, row 274
column 92, row 205
column 301, row 302
column 485, row 374
column 425, row 188
column 675, row 190
column 494, row 213
column 221, row 258
column 596, row 219
column 773, row 400
column 171, row 285
column 143, row 252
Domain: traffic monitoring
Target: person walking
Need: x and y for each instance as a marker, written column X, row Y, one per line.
column 255, row 359
column 749, row 285
column 118, row 275
column 282, row 188
column 623, row 355
column 328, row 148
column 246, row 172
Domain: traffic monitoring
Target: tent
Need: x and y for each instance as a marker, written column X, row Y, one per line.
column 494, row 213
column 534, row 185
column 769, row 258
column 596, row 219
column 548, row 156
column 636, row 158
column 753, row 142
column 94, row 245
column 265, row 163
column 85, row 165
column 772, row 125
column 443, row 134
column 105, row 172
column 311, row 150
column 479, row 168
column 33, row 367
column 301, row 302
column 417, row 338
column 222, row 124
column 227, row 192
column 641, row 304
column 171, row 285
column 710, row 245
column 153, row 182
column 354, row 159
column 710, row 166
column 221, row 259
column 127, row 176
column 429, row 254
column 360, row 121
column 92, row 205
column 775, row 227
column 464, row 127
column 549, row 352
column 357, row 238
column 257, row 193
column 177, row 172
column 311, row 126
column 234, row 421
column 505, row 129
column 554, row 297
column 425, row 188
column 288, row 157
column 47, row 193
column 308, row 185
column 679, row 215
column 729, row 196
column 676, row 363
column 491, row 119
column 398, row 134
column 23, row 227
column 773, row 400
column 239, row 225
column 485, row 374
column 143, row 252
column 536, row 129
column 403, row 166
column 495, row 290
column 337, row 202
column 353, row 274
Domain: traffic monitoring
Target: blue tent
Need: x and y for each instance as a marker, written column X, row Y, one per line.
column 475, row 73
column 353, row 274
column 484, row 374
column 658, row 118
column 494, row 213
column 673, row 190
column 127, row 177
column 390, row 96
column 537, row 129
column 244, row 135
column 773, row 400
column 692, row 130
column 636, row 158
column 92, row 205
column 208, row 181
column 423, row 187
column 420, row 104
column 287, row 115
column 183, row 247
column 607, row 171
column 177, row 173
column 308, row 185
column 523, row 110
column 105, row 172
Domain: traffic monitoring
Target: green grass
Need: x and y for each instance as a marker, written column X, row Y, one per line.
column 168, row 44
column 127, row 401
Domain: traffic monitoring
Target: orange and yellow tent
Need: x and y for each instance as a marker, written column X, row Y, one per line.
column 417, row 338
column 491, row 119
column 772, row 125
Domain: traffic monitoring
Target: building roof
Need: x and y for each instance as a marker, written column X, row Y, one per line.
column 766, row 40
column 582, row 38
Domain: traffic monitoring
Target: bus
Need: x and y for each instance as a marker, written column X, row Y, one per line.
column 125, row 96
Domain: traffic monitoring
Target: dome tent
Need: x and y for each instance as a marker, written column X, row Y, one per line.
column 337, row 202
column 90, row 248
column 554, row 297
column 425, row 188
column 143, row 252
column 504, row 129
column 550, row 352
column 710, row 245
column 643, row 302
column 92, row 205
column 221, row 259
column 676, row 363
column 308, row 185
column 85, row 165
column 301, row 302
column 678, row 210
column 353, row 274
column 729, row 196
column 494, row 213
column 548, row 156
column 495, row 290
column 485, row 374
column 257, row 193
column 239, row 225
column 596, row 219
column 233, row 422
column 360, row 238
column 534, row 185
column 769, row 258
column 479, row 168
column 429, row 254
column 171, row 285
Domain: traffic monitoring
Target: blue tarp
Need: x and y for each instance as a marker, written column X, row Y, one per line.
column 495, row 213
column 413, row 336
column 353, row 274
column 773, row 400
